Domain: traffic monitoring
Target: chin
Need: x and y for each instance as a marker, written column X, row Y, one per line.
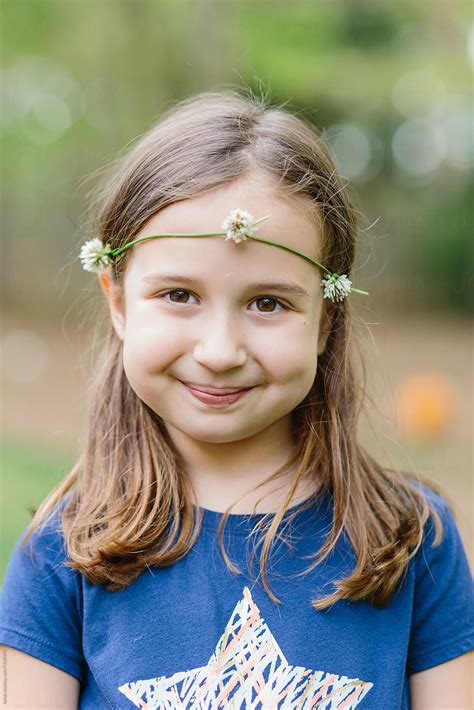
column 213, row 434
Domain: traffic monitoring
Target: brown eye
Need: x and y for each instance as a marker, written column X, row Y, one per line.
column 182, row 296
column 267, row 302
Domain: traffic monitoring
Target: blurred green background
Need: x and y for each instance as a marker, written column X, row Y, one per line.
column 388, row 82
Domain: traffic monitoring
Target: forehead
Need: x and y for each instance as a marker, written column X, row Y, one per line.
column 292, row 222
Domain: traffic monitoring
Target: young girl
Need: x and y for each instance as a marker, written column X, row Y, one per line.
column 223, row 540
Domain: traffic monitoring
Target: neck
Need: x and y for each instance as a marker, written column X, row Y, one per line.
column 221, row 473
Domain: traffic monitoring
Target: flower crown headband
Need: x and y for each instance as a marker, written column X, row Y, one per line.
column 239, row 225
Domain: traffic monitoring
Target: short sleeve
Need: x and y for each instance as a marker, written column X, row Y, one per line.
column 443, row 606
column 41, row 609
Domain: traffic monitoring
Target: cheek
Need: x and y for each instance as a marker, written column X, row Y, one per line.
column 149, row 350
column 290, row 357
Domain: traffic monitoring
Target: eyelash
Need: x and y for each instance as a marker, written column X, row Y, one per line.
column 271, row 298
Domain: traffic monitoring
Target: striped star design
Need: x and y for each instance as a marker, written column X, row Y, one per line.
column 247, row 670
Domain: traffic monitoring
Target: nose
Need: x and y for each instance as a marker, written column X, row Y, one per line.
column 219, row 346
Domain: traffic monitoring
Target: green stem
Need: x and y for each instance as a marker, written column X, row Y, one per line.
column 293, row 251
column 120, row 250
column 312, row 261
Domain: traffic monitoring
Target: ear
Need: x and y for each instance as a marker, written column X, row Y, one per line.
column 113, row 294
column 325, row 325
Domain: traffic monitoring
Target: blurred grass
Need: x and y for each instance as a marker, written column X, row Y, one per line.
column 29, row 471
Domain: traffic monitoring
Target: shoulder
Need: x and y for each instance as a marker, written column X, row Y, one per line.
column 41, row 552
column 442, row 624
column 443, row 508
column 42, row 607
column 437, row 499
column 441, row 560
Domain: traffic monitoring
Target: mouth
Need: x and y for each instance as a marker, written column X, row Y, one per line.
column 222, row 399
column 208, row 389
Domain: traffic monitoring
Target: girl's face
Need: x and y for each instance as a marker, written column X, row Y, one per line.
column 210, row 313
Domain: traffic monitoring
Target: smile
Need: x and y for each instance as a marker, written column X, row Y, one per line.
column 213, row 400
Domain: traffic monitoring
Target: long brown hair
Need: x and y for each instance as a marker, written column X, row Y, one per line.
column 127, row 504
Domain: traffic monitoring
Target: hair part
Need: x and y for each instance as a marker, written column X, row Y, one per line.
column 129, row 504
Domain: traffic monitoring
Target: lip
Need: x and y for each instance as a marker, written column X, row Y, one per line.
column 213, row 400
column 208, row 389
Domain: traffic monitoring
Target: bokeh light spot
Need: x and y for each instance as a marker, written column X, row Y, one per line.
column 429, row 404
column 418, row 147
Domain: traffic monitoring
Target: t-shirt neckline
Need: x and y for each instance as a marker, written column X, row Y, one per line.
column 243, row 523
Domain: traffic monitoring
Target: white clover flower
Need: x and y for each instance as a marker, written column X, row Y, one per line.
column 238, row 225
column 93, row 255
column 336, row 287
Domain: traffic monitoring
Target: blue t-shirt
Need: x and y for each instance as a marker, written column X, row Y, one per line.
column 195, row 635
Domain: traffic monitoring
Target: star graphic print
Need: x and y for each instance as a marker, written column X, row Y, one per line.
column 247, row 670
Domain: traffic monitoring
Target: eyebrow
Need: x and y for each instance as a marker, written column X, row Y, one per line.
column 287, row 287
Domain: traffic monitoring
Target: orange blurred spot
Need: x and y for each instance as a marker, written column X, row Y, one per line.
column 428, row 404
